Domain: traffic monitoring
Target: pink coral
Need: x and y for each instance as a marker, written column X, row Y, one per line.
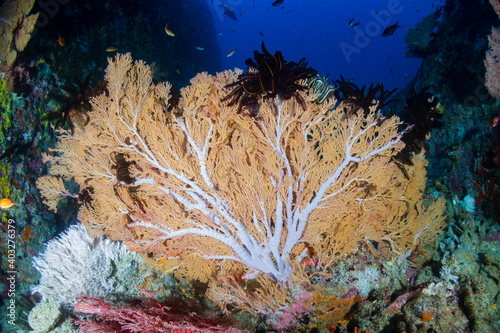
column 492, row 64
column 146, row 316
column 293, row 314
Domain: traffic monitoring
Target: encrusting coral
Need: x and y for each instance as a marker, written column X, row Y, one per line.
column 212, row 192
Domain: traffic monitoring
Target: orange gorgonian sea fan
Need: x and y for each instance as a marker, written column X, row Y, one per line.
column 213, row 192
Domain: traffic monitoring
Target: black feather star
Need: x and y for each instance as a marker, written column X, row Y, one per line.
column 356, row 98
column 271, row 76
column 75, row 103
column 423, row 113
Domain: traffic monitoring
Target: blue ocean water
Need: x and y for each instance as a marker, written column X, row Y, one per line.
column 320, row 32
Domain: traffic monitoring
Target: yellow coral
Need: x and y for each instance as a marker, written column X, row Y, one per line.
column 15, row 28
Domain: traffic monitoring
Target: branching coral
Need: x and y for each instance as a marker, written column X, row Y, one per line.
column 214, row 192
column 147, row 316
column 76, row 263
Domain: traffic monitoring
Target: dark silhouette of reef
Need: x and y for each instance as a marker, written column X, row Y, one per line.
column 462, row 147
column 454, row 61
column 89, row 28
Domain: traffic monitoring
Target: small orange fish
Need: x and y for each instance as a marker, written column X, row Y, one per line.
column 61, row 41
column 6, row 203
column 231, row 53
column 495, row 121
column 111, row 49
column 161, row 261
column 168, row 31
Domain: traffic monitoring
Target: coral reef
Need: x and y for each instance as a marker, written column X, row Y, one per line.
column 206, row 160
column 344, row 278
column 261, row 207
column 23, row 140
column 419, row 37
column 15, row 28
column 45, row 316
column 147, row 316
column 77, row 264
column 133, row 26
column 492, row 64
column 492, row 61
